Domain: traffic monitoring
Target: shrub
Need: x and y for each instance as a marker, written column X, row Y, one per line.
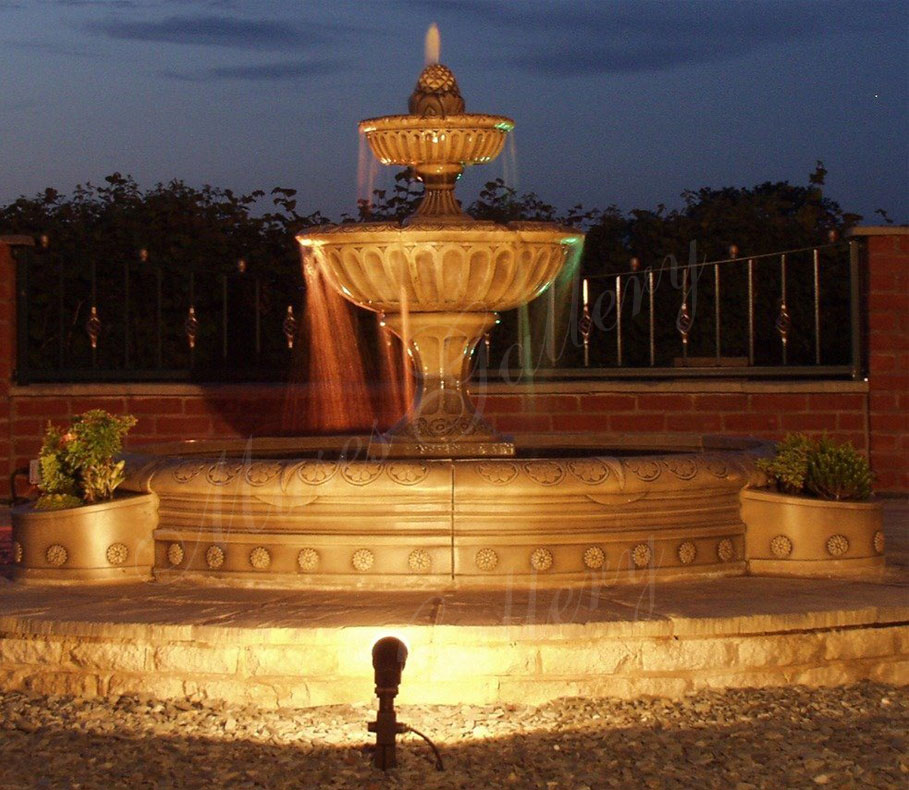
column 77, row 464
column 838, row 472
column 818, row 467
column 789, row 467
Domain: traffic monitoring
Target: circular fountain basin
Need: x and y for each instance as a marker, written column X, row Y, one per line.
column 326, row 512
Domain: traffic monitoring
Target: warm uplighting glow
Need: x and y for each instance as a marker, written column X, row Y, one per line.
column 586, row 296
column 433, row 47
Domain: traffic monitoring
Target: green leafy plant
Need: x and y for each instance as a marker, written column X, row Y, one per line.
column 789, row 467
column 818, row 467
column 77, row 463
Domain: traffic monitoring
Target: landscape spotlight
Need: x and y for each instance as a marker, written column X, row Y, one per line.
column 388, row 657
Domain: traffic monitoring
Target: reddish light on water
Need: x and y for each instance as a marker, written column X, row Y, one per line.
column 347, row 389
column 394, row 398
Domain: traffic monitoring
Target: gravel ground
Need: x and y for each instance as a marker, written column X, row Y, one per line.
column 770, row 738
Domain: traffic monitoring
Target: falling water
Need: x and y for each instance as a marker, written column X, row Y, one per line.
column 509, row 161
column 356, row 380
column 337, row 394
column 367, row 172
column 396, row 394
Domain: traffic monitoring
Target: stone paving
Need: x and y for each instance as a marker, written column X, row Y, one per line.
column 848, row 737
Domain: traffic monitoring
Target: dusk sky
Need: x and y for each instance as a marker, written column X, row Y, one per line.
column 624, row 102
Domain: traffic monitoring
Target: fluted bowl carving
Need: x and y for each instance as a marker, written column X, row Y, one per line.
column 411, row 140
column 471, row 267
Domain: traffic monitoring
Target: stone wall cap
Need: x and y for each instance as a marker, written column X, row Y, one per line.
column 878, row 230
column 17, row 241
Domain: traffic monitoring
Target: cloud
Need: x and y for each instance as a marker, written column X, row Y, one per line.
column 216, row 31
column 588, row 37
column 263, row 72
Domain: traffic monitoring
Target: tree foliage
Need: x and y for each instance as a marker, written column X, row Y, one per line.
column 207, row 227
column 766, row 218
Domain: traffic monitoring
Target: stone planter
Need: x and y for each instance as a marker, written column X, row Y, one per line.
column 800, row 536
column 105, row 542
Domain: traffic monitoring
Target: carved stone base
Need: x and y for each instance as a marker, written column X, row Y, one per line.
column 255, row 513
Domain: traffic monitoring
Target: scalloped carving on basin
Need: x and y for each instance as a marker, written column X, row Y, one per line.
column 409, row 140
column 472, row 267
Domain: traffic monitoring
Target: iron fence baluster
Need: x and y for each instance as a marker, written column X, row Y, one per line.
column 223, row 316
column 651, row 317
column 93, row 324
column 751, row 311
column 716, row 309
column 684, row 321
column 618, row 319
column 61, row 317
column 817, row 307
column 258, row 314
column 191, row 325
column 159, row 314
column 586, row 323
column 126, row 361
column 783, row 319
column 289, row 327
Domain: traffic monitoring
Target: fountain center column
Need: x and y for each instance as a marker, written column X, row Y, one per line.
column 443, row 421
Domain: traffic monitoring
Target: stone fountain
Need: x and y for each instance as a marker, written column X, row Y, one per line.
column 440, row 279
column 441, row 500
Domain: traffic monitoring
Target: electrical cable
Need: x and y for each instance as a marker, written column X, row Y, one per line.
column 435, row 751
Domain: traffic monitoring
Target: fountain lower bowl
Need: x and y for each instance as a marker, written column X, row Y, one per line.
column 452, row 267
column 331, row 512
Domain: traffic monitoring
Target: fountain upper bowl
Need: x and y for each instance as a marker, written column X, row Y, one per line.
column 413, row 140
column 441, row 267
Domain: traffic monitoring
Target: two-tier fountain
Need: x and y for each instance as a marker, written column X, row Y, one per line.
column 441, row 277
column 441, row 499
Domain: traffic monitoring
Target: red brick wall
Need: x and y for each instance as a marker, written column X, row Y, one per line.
column 164, row 412
column 687, row 407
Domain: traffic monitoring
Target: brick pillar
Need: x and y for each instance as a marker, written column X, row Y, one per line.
column 7, row 352
column 887, row 259
column 7, row 359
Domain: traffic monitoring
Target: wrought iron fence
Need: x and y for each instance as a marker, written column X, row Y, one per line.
column 139, row 320
column 795, row 313
column 786, row 314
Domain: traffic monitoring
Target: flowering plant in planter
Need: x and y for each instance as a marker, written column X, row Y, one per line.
column 77, row 463
column 819, row 468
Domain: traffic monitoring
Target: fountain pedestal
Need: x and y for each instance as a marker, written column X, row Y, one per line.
column 442, row 420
